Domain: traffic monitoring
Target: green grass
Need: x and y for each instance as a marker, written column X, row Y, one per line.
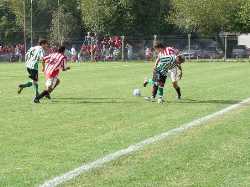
column 93, row 113
column 214, row 155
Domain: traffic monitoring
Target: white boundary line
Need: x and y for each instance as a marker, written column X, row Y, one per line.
column 138, row 146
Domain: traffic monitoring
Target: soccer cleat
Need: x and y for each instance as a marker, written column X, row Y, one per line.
column 48, row 96
column 178, row 97
column 152, row 99
column 145, row 83
column 160, row 100
column 36, row 100
column 19, row 89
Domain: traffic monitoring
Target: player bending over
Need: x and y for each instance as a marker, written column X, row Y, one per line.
column 32, row 57
column 52, row 64
column 161, row 69
column 174, row 73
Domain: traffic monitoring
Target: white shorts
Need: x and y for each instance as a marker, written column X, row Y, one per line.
column 174, row 74
column 51, row 82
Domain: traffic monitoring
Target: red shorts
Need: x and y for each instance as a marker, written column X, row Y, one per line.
column 52, row 75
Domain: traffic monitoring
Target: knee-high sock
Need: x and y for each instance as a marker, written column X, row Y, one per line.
column 28, row 84
column 154, row 90
column 44, row 93
column 36, row 88
column 178, row 90
column 160, row 91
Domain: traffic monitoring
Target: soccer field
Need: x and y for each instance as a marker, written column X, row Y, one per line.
column 93, row 114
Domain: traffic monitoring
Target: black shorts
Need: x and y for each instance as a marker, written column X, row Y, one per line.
column 33, row 74
column 159, row 78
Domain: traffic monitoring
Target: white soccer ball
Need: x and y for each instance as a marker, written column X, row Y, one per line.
column 136, row 92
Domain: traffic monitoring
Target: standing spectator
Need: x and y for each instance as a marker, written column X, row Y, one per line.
column 18, row 53
column 130, row 51
column 148, row 54
column 73, row 54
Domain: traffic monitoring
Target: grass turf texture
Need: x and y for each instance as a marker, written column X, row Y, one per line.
column 93, row 113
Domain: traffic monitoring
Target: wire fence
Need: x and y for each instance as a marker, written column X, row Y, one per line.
column 93, row 47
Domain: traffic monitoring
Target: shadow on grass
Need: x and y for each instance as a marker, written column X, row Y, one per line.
column 213, row 101
column 85, row 100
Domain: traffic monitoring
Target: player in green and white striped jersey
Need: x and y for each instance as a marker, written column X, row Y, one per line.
column 164, row 63
column 32, row 58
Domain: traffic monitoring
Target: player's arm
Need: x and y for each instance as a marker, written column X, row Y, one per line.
column 180, row 68
column 44, row 60
column 43, row 65
column 156, row 63
column 64, row 66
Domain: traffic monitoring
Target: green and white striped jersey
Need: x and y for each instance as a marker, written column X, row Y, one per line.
column 33, row 56
column 166, row 62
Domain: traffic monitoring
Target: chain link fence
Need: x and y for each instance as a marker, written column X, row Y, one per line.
column 93, row 47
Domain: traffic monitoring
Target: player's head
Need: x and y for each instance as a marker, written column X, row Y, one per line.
column 61, row 49
column 44, row 44
column 180, row 59
column 159, row 47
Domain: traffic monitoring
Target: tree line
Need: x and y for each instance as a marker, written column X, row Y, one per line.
column 62, row 20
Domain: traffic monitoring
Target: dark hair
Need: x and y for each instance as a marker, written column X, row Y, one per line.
column 181, row 58
column 43, row 42
column 61, row 49
column 159, row 46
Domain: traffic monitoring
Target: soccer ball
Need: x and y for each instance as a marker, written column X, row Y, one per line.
column 136, row 92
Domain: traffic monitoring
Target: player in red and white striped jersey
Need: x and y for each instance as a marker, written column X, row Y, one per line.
column 52, row 64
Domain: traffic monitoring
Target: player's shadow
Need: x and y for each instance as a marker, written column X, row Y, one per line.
column 89, row 100
column 213, row 101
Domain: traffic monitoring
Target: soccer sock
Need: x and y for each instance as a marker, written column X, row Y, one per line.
column 36, row 88
column 178, row 90
column 160, row 91
column 28, row 84
column 154, row 90
column 150, row 81
column 45, row 92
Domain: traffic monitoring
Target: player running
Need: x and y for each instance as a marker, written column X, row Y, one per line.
column 174, row 73
column 52, row 64
column 32, row 57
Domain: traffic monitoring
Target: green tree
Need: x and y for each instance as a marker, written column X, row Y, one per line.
column 128, row 17
column 41, row 15
column 244, row 16
column 9, row 31
column 44, row 17
column 64, row 27
column 205, row 16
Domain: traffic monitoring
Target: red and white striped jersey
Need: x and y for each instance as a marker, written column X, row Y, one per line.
column 166, row 52
column 54, row 63
column 169, row 51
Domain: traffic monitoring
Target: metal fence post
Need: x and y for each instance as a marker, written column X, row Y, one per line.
column 189, row 46
column 91, row 49
column 155, row 39
column 225, row 55
column 123, row 47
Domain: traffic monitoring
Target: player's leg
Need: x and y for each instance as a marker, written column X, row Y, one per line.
column 156, row 78
column 51, row 83
column 174, row 77
column 150, row 81
column 177, row 89
column 34, row 77
column 27, row 84
column 55, row 83
column 161, row 89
